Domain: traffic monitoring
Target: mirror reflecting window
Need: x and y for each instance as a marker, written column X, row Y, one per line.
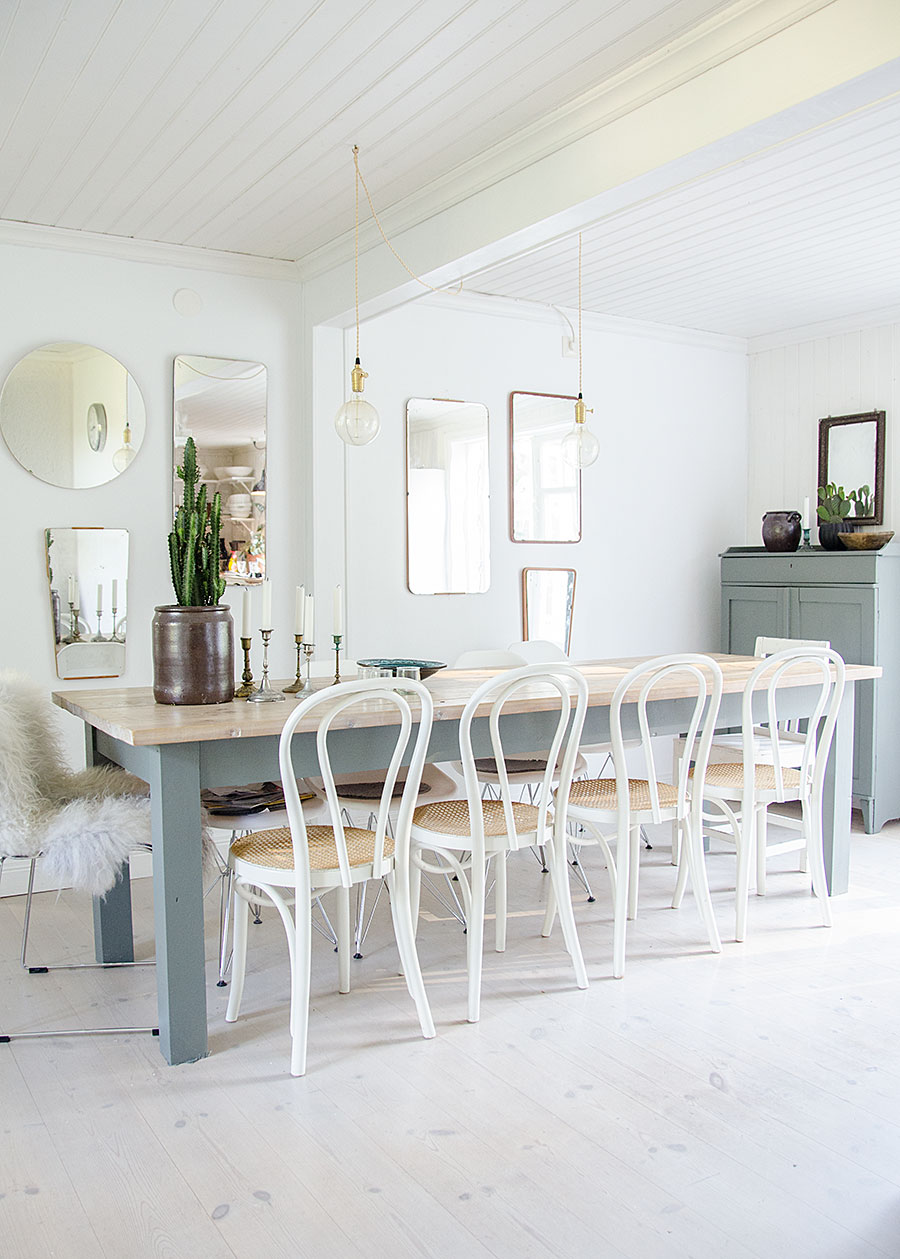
column 221, row 403
column 548, row 603
column 447, row 497
column 544, row 489
column 72, row 415
column 88, row 574
column 851, row 454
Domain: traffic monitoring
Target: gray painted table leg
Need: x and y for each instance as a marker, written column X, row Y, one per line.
column 836, row 802
column 113, row 932
column 178, row 901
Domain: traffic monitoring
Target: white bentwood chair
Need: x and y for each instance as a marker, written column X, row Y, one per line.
column 464, row 837
column 626, row 804
column 292, row 865
column 745, row 790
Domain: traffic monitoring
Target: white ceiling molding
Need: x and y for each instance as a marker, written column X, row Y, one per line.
column 881, row 318
column 538, row 312
column 121, row 247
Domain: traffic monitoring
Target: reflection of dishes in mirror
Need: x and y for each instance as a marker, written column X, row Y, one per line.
column 233, row 472
column 425, row 667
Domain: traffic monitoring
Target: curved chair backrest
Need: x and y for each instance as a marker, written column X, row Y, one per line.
column 492, row 659
column 559, row 682
column 648, row 682
column 768, row 646
column 332, row 707
column 820, row 697
column 537, row 651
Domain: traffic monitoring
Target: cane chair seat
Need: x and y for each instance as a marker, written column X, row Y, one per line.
column 601, row 794
column 730, row 777
column 274, row 849
column 451, row 818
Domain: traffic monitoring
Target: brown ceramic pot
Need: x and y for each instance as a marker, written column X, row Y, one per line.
column 193, row 655
column 781, row 530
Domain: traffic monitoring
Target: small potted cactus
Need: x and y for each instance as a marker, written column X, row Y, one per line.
column 833, row 509
column 193, row 639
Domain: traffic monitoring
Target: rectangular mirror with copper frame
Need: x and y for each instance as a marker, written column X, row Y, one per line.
column 548, row 604
column 544, row 490
column 447, row 497
column 851, row 455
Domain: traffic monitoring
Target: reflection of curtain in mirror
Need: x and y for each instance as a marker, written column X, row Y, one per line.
column 467, row 515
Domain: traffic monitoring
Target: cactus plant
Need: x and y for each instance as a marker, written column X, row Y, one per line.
column 194, row 540
column 863, row 500
column 834, row 505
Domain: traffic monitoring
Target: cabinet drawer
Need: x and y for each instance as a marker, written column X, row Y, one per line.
column 758, row 567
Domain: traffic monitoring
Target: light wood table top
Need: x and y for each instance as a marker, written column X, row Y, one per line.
column 131, row 714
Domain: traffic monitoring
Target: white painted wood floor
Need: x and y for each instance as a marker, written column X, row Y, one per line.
column 742, row 1106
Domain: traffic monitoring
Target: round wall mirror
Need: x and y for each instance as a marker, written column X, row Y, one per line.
column 68, row 412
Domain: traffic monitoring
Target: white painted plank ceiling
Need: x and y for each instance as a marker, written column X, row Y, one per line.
column 806, row 232
column 228, row 124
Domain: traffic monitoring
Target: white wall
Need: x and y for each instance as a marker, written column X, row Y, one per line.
column 668, row 494
column 126, row 308
column 792, row 387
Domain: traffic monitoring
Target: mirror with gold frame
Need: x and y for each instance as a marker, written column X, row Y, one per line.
column 447, row 497
column 72, row 415
column 87, row 572
column 544, row 489
column 548, row 605
column 222, row 404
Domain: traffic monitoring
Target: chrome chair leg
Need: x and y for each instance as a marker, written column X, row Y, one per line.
column 225, row 924
column 579, row 871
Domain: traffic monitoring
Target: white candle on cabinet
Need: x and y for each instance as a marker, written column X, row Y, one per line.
column 338, row 608
column 299, row 609
column 806, row 524
column 246, row 619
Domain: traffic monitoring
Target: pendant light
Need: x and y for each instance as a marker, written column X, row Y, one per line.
column 126, row 452
column 357, row 422
column 580, row 446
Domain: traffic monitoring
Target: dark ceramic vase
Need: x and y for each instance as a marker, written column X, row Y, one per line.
column 830, row 531
column 193, row 655
column 781, row 530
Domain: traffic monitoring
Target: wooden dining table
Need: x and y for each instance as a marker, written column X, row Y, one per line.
column 180, row 750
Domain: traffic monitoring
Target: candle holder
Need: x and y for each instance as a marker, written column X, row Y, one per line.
column 74, row 634
column 114, row 636
column 308, row 651
column 296, row 687
column 337, row 658
column 265, row 694
column 99, row 637
column 806, row 545
column 246, row 689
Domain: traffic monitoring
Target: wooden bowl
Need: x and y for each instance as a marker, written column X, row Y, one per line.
column 866, row 541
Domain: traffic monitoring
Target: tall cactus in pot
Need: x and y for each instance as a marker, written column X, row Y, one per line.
column 194, row 540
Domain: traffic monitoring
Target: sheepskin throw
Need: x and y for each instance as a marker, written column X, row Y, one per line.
column 84, row 825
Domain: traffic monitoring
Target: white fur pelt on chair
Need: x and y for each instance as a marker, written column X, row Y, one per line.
column 83, row 825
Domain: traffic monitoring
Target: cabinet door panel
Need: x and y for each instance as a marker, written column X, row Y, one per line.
column 846, row 617
column 751, row 611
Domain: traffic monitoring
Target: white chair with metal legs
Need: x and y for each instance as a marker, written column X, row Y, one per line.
column 465, row 837
column 607, row 807
column 292, row 865
column 744, row 791
column 82, row 827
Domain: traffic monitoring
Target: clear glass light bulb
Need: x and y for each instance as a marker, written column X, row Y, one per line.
column 580, row 447
column 357, row 422
column 126, row 452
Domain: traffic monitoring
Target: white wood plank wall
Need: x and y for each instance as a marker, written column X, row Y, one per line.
column 791, row 388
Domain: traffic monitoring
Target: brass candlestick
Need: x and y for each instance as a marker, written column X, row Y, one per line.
column 246, row 689
column 297, row 685
column 337, row 658
column 265, row 694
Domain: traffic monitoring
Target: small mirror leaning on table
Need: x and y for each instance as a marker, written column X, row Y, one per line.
column 548, row 605
column 87, row 572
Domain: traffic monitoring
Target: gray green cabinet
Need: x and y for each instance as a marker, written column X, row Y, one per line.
column 852, row 599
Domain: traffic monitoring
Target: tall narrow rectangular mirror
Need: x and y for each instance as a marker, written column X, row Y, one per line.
column 87, row 571
column 851, row 454
column 548, row 604
column 221, row 403
column 544, row 490
column 447, row 497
